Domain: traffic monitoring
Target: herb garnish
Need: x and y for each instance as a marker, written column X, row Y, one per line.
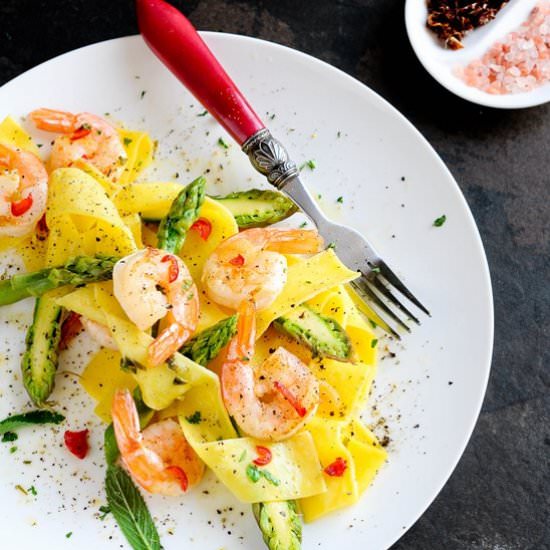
column 222, row 143
column 373, row 342
column 438, row 222
column 127, row 141
column 16, row 421
column 195, row 418
column 204, row 113
column 9, row 436
column 340, row 200
column 130, row 511
column 69, row 535
column 309, row 163
column 143, row 92
column 104, row 510
column 254, row 474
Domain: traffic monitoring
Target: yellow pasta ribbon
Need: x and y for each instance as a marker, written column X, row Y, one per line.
column 306, row 279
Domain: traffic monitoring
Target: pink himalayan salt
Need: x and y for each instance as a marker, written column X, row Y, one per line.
column 519, row 63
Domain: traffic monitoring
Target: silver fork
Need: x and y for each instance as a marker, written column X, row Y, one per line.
column 377, row 280
column 175, row 41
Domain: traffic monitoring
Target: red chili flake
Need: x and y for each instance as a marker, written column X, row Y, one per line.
column 237, row 260
column 173, row 269
column 264, row 456
column 80, row 133
column 20, row 207
column 291, row 398
column 336, row 468
column 180, row 476
column 70, row 328
column 203, row 227
column 77, row 443
column 42, row 230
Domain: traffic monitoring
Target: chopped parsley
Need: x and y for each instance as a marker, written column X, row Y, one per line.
column 195, row 418
column 372, row 323
column 331, row 245
column 104, row 510
column 142, row 95
column 303, row 224
column 127, row 141
column 222, row 143
column 69, row 535
column 438, row 222
column 373, row 342
column 32, row 490
column 340, row 200
column 204, row 113
column 9, row 436
column 309, row 164
column 254, row 474
column 13, row 449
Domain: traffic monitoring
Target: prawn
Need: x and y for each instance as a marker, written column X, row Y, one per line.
column 150, row 285
column 23, row 191
column 84, row 136
column 250, row 265
column 270, row 401
column 159, row 459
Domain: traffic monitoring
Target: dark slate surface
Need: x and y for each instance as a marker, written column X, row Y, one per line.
column 499, row 496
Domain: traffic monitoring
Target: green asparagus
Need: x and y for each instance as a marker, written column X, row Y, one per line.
column 280, row 524
column 208, row 343
column 258, row 207
column 183, row 213
column 39, row 363
column 76, row 271
column 323, row 335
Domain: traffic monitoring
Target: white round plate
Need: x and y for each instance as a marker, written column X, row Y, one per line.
column 441, row 62
column 393, row 186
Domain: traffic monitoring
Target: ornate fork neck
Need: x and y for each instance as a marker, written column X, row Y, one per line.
column 270, row 158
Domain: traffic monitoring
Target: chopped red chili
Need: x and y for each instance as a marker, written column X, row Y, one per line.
column 336, row 468
column 173, row 268
column 70, row 328
column 77, row 443
column 291, row 398
column 237, row 260
column 18, row 208
column 180, row 476
column 42, row 230
column 80, row 133
column 264, row 456
column 203, row 227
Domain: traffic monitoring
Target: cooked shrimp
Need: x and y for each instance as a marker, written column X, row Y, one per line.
column 250, row 265
column 159, row 459
column 23, row 191
column 99, row 333
column 272, row 400
column 151, row 285
column 84, row 136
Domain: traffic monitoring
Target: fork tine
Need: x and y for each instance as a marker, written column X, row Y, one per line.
column 394, row 280
column 365, row 296
column 376, row 299
column 385, row 291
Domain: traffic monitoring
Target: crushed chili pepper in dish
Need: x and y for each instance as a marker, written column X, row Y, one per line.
column 452, row 19
column 77, row 443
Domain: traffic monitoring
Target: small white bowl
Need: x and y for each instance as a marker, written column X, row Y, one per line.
column 441, row 62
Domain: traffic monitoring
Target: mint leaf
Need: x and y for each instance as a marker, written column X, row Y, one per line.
column 195, row 418
column 110, row 447
column 12, row 423
column 130, row 511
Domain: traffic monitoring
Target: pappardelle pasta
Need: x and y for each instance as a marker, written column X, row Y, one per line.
column 225, row 342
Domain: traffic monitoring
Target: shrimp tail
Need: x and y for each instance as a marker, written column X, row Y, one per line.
column 54, row 121
column 125, row 422
column 294, row 241
column 241, row 346
column 167, row 343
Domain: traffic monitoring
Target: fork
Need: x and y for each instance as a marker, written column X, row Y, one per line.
column 175, row 41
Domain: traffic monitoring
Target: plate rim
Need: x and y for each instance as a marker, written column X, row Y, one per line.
column 393, row 111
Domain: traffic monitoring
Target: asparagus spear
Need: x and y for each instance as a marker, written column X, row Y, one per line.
column 181, row 216
column 280, row 524
column 208, row 343
column 39, row 363
column 76, row 271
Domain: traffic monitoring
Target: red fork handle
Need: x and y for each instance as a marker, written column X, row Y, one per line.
column 177, row 44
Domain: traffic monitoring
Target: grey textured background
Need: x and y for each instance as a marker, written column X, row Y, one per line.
column 499, row 496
